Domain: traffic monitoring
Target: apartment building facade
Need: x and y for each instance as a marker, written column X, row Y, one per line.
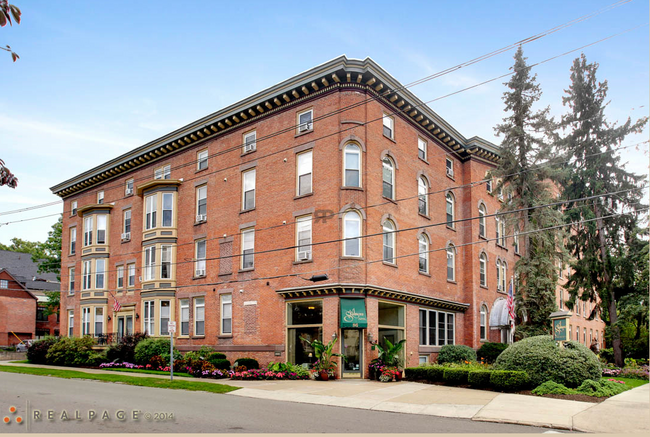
column 227, row 226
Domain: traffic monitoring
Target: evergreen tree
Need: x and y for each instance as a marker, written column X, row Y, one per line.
column 48, row 257
column 527, row 138
column 600, row 247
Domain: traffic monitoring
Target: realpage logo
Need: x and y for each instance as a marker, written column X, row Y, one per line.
column 13, row 417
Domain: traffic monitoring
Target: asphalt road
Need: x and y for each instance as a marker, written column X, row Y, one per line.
column 194, row 412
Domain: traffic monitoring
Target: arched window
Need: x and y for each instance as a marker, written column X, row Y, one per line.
column 352, row 166
column 423, row 196
column 499, row 275
column 484, row 314
column 451, row 263
column 388, row 177
column 482, row 262
column 351, row 234
column 389, row 242
column 450, row 210
column 423, row 249
column 481, row 220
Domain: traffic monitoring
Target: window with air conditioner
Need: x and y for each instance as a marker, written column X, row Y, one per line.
column 126, row 229
column 128, row 190
column 199, row 264
column 303, row 238
column 100, row 197
column 250, row 141
column 305, row 123
column 449, row 165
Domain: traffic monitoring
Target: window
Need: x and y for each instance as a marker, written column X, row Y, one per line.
column 570, row 328
column 128, row 189
column 201, row 203
column 423, row 196
column 390, row 321
column 165, row 262
column 101, row 228
column 199, row 316
column 167, row 209
column 70, row 280
column 304, row 320
column 199, row 264
column 423, row 250
column 202, row 160
column 185, row 316
column 499, row 275
column 502, row 222
column 449, row 165
column 436, row 328
column 304, row 173
column 40, row 314
column 99, row 321
column 70, row 322
column 87, row 275
column 388, row 177
column 248, row 183
column 451, row 263
column 504, row 275
column 388, row 126
column 85, row 321
column 482, row 262
column 248, row 249
column 73, row 241
column 515, row 242
column 488, row 184
column 352, row 166
column 351, row 234
column 226, row 314
column 149, row 320
column 73, row 207
column 88, row 231
column 4, row 283
column 584, row 336
column 500, row 192
column 250, row 141
column 150, row 211
column 483, row 327
column 305, row 123
column 149, row 263
column 498, row 229
column 131, row 272
column 164, row 317
column 100, row 197
column 100, row 266
column 303, row 238
column 450, row 209
column 422, row 149
column 163, row 172
column 127, row 223
column 578, row 334
column 389, row 242
column 481, row 220
column 120, row 276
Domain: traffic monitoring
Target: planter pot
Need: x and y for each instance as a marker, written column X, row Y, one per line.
column 398, row 377
column 324, row 376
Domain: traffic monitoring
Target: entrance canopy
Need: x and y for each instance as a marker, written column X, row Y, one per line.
column 499, row 314
column 353, row 313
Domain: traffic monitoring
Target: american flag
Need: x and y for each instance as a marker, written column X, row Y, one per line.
column 116, row 305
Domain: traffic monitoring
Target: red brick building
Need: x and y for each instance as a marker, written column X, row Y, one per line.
column 333, row 165
column 17, row 310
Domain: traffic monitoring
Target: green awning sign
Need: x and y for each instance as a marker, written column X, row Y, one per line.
column 353, row 313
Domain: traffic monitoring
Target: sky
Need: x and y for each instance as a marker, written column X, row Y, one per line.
column 97, row 79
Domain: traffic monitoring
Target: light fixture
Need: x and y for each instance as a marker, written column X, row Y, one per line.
column 137, row 316
column 109, row 317
column 370, row 337
column 311, row 308
column 318, row 278
column 334, row 336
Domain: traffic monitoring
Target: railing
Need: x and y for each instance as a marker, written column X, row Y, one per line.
column 105, row 339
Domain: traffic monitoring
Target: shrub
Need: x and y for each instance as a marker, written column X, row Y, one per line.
column 96, row 358
column 600, row 388
column 220, row 364
column 249, row 363
column 150, row 347
column 544, row 361
column 455, row 376
column 552, row 388
column 124, row 350
column 70, row 351
column 509, row 380
column 607, row 355
column 415, row 373
column 215, row 356
column 489, row 352
column 37, row 352
column 456, row 353
column 479, row 378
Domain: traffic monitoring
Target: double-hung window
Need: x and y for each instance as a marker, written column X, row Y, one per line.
column 482, row 262
column 73, row 207
column 127, row 224
column 185, row 316
column 85, row 321
column 389, row 242
column 165, row 261
column 436, row 328
column 449, row 166
column 87, row 275
column 199, row 264
column 149, row 317
column 163, row 172
column 450, row 209
column 201, row 203
column 128, row 189
column 481, row 220
column 497, row 220
column 423, row 251
column 99, row 321
column 73, row 241
column 423, row 196
column 70, row 323
column 351, row 234
column 202, row 160
column 120, row 276
column 88, row 231
column 250, row 141
column 305, row 123
column 303, row 238
column 248, row 249
column 226, row 314
column 149, row 263
column 483, row 322
column 100, row 197
column 167, row 209
column 304, row 173
column 451, row 263
column 515, row 242
column 71, row 278
column 388, row 126
column 499, row 275
column 388, row 178
column 150, row 211
column 101, row 228
column 131, row 272
column 100, row 273
column 248, row 190
column 422, row 149
column 164, row 316
column 352, row 166
column 199, row 316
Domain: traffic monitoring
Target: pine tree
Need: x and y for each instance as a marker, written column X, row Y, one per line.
column 600, row 247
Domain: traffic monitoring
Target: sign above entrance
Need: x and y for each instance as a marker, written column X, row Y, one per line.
column 353, row 313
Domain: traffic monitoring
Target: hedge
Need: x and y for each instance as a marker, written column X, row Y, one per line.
column 425, row 373
column 249, row 363
column 74, row 352
column 220, row 364
column 509, row 380
column 151, row 347
column 489, row 352
column 479, row 378
column 456, row 353
column 455, row 376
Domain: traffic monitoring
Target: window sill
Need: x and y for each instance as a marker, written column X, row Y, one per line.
column 424, row 273
column 451, row 228
column 389, row 199
column 249, row 152
column 244, row 211
column 181, row 336
column 389, row 138
column 125, row 241
column 452, row 282
column 424, row 215
column 423, row 160
column 224, row 336
column 72, row 254
column 451, row 177
column 201, row 222
column 200, row 170
column 299, row 134
column 359, row 258
column 386, row 263
column 303, row 262
column 484, row 286
column 194, row 278
column 481, row 237
column 198, row 336
column 303, row 195
column 352, row 188
column 250, row 269
column 128, row 195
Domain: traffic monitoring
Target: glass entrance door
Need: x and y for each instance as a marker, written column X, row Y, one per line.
column 352, row 365
column 120, row 327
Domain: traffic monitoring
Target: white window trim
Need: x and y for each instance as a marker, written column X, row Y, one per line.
column 422, row 141
column 244, row 246
column 425, row 239
column 392, row 240
column 196, row 306
column 483, row 322
column 358, row 218
column 222, row 303
column 355, row 149
column 199, row 198
column 202, row 156
column 184, row 304
column 428, row 322
column 450, row 223
column 200, row 263
column 301, row 220
column 387, row 162
column 310, row 124
column 451, row 250
column 391, row 126
column 252, row 171
column 310, row 172
column 423, row 183
column 245, row 137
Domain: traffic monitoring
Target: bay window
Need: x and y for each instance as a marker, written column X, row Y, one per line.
column 150, row 211
column 436, row 328
column 165, row 262
column 149, row 263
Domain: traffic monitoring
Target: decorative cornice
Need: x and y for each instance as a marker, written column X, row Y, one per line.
column 94, row 207
column 157, row 183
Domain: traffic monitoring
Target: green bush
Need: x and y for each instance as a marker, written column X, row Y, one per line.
column 455, row 376
column 425, row 373
column 544, row 361
column 607, row 355
column 220, row 364
column 600, row 388
column 552, row 388
column 435, row 373
column 124, row 350
column 479, row 378
column 509, row 380
column 489, row 352
column 150, row 347
column 37, row 352
column 215, row 356
column 456, row 353
column 250, row 363
column 71, row 351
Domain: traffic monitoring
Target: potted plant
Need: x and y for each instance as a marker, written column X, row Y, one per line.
column 325, row 364
column 389, row 358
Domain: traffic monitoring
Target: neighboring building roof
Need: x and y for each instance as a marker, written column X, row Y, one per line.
column 18, row 281
column 21, row 267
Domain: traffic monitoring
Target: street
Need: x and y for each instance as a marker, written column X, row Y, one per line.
column 44, row 403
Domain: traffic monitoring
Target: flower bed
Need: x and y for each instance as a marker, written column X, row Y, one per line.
column 640, row 372
column 261, row 374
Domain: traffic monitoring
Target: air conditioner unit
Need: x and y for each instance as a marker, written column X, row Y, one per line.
column 126, row 236
column 199, row 272
column 128, row 191
column 201, row 218
column 450, row 172
column 249, row 147
column 305, row 127
column 304, row 256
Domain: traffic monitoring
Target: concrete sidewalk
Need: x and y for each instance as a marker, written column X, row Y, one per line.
column 628, row 412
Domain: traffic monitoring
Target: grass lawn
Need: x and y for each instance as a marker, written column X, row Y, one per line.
column 151, row 372
column 123, row 379
column 629, row 382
